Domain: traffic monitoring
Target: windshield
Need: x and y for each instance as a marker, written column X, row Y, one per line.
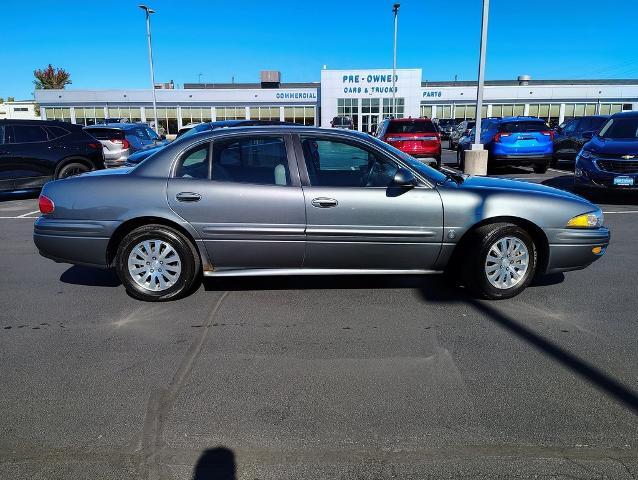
column 524, row 126
column 416, row 126
column 429, row 172
column 620, row 127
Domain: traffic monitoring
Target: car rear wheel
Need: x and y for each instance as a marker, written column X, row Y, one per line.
column 540, row 168
column 156, row 263
column 72, row 169
column 501, row 261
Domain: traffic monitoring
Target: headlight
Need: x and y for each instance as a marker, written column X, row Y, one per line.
column 586, row 154
column 587, row 220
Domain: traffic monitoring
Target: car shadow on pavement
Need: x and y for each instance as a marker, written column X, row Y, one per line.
column 23, row 195
column 215, row 464
column 608, row 197
column 90, row 277
column 442, row 293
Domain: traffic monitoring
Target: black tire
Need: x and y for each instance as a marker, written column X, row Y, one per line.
column 554, row 162
column 71, row 169
column 188, row 256
column 475, row 258
column 540, row 167
column 438, row 162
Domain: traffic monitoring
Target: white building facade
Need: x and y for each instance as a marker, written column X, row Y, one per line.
column 365, row 95
column 23, row 110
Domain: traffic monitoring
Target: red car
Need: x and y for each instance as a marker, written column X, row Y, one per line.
column 418, row 137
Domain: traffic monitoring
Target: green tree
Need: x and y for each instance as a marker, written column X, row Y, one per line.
column 1, row 100
column 51, row 78
column 11, row 99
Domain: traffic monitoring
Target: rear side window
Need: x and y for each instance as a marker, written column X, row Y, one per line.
column 140, row 133
column 106, row 133
column 1, row 134
column 591, row 124
column 26, row 134
column 259, row 160
column 411, row 127
column 57, row 132
column 194, row 163
column 523, row 126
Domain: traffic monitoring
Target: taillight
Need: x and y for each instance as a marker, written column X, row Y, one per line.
column 46, row 205
column 95, row 145
column 124, row 143
column 499, row 135
column 548, row 133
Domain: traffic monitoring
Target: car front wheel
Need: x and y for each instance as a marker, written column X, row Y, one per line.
column 501, row 261
column 156, row 263
column 540, row 168
column 71, row 170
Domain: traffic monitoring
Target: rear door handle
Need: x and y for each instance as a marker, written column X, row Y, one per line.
column 188, row 197
column 323, row 202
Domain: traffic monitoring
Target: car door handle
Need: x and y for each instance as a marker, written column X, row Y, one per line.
column 323, row 202
column 188, row 197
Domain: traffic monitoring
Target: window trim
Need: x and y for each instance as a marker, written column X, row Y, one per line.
column 424, row 182
column 41, row 127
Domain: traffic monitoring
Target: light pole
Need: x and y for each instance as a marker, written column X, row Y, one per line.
column 149, row 11
column 395, row 10
column 199, row 76
column 481, row 74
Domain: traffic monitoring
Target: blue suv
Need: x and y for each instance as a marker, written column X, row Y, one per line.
column 513, row 141
column 610, row 159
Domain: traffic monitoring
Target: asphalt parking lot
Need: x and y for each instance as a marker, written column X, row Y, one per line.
column 289, row 378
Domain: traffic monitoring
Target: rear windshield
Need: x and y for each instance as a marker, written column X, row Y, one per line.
column 446, row 122
column 523, row 126
column 105, row 133
column 620, row 127
column 341, row 121
column 411, row 127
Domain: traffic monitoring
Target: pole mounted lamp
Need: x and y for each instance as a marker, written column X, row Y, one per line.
column 150, row 11
column 481, row 75
column 395, row 10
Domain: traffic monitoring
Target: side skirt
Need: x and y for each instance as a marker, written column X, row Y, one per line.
column 265, row 272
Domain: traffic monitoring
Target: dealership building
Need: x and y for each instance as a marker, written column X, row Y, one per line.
column 366, row 96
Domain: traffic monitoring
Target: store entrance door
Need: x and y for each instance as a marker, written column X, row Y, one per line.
column 369, row 123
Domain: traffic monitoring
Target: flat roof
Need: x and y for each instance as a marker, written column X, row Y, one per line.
column 195, row 86
column 503, row 83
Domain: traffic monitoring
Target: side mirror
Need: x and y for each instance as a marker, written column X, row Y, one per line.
column 404, row 178
column 588, row 135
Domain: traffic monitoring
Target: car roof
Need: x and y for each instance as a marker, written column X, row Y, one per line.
column 120, row 126
column 629, row 113
column 410, row 119
column 519, row 118
column 35, row 122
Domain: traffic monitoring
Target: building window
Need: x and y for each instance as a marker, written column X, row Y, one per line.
column 62, row 114
column 264, row 113
column 370, row 105
column 508, row 110
column 166, row 120
column 230, row 113
column 579, row 110
column 610, row 108
column 388, row 110
column 545, row 111
column 302, row 115
column 195, row 115
column 426, row 111
column 349, row 107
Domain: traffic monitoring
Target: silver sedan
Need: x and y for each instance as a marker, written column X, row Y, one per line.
column 286, row 200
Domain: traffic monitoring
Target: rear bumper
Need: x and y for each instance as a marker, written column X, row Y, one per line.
column 571, row 249
column 76, row 242
column 522, row 158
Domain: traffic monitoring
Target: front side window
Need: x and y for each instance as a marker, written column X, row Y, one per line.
column 152, row 134
column 333, row 163
column 258, row 160
column 28, row 134
column 194, row 163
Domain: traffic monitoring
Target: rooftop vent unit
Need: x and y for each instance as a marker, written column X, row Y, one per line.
column 270, row 79
column 524, row 79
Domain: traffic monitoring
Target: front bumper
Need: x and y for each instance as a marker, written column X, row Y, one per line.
column 587, row 174
column 572, row 249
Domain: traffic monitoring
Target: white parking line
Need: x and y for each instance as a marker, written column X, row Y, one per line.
column 559, row 171
column 621, row 212
column 27, row 214
column 17, row 218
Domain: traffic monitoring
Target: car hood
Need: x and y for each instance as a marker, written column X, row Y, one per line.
column 504, row 184
column 611, row 147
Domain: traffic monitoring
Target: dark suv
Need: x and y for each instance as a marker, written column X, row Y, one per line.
column 570, row 137
column 32, row 152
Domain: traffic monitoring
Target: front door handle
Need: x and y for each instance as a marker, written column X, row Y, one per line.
column 323, row 202
column 188, row 197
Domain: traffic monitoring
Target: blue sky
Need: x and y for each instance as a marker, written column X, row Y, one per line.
column 103, row 45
